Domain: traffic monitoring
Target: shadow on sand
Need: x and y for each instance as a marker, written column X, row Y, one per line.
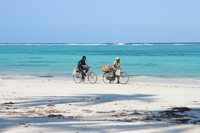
column 101, row 122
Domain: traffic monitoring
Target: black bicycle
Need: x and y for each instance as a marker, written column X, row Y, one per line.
column 91, row 76
column 109, row 77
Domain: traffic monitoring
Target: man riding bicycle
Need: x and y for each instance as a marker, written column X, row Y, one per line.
column 83, row 66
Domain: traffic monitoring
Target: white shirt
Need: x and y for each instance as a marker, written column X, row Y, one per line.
column 116, row 64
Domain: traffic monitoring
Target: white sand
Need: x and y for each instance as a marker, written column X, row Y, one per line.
column 58, row 106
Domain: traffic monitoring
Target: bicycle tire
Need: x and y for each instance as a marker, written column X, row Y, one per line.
column 124, row 78
column 77, row 77
column 106, row 77
column 92, row 77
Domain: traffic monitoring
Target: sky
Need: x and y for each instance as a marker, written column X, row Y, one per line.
column 99, row 21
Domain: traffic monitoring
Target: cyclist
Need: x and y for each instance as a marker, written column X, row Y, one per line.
column 83, row 66
column 116, row 65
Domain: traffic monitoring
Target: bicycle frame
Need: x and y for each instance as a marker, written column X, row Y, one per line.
column 113, row 77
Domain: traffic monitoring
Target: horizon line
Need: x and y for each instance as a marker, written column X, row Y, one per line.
column 101, row 43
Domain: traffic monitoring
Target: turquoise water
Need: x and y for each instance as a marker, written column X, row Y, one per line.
column 154, row 60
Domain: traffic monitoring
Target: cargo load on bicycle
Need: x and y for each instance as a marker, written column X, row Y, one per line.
column 75, row 71
column 106, row 68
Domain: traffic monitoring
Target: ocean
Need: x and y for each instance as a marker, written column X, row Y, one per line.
column 158, row 60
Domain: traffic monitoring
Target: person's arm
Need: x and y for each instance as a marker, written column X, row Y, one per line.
column 119, row 66
column 87, row 65
column 84, row 64
column 115, row 65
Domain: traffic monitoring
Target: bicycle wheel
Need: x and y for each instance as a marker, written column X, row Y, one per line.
column 106, row 78
column 77, row 77
column 124, row 78
column 92, row 77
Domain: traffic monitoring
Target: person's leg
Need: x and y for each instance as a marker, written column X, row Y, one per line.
column 82, row 74
column 86, row 70
column 118, row 77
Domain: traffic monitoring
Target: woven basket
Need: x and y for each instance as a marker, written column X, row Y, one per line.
column 106, row 68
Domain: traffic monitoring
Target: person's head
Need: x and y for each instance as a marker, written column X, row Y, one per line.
column 84, row 58
column 117, row 59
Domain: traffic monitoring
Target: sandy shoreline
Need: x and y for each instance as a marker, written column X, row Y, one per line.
column 45, row 105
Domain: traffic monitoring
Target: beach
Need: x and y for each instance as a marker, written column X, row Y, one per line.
column 49, row 105
column 154, row 44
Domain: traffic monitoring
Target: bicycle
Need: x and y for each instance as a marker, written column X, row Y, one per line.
column 91, row 76
column 109, row 77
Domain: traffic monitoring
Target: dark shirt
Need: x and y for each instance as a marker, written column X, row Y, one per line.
column 80, row 63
